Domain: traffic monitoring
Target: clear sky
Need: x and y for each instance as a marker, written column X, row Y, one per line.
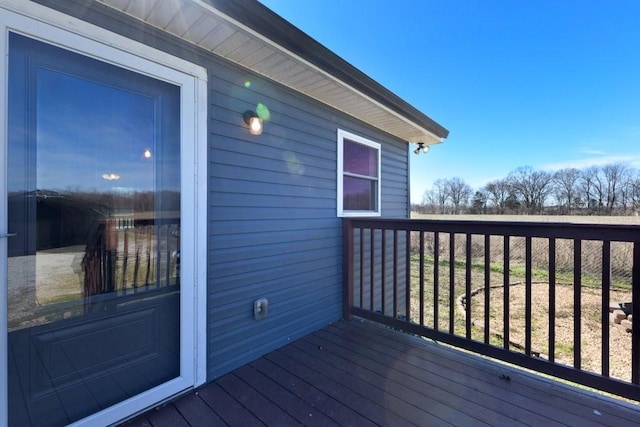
column 547, row 84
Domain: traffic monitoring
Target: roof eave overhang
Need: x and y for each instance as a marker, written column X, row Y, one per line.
column 249, row 34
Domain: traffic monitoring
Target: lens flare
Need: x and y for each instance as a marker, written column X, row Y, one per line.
column 247, row 84
column 294, row 165
column 263, row 112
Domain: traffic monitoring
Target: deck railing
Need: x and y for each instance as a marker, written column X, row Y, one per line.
column 127, row 255
column 551, row 297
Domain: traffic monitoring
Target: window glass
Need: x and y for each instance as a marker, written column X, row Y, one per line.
column 360, row 159
column 358, row 194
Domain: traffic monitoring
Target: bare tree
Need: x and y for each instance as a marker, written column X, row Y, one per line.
column 600, row 188
column 565, row 188
column 590, row 189
column 634, row 191
column 613, row 175
column 459, row 193
column 498, row 192
column 610, row 189
column 532, row 186
column 625, row 198
column 438, row 195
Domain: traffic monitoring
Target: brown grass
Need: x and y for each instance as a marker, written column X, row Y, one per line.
column 591, row 325
column 579, row 219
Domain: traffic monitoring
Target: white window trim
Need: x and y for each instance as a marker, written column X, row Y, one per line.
column 342, row 135
column 52, row 27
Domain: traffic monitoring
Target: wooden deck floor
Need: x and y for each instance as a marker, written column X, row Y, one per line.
column 361, row 374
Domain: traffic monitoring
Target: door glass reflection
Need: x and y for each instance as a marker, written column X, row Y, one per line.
column 92, row 205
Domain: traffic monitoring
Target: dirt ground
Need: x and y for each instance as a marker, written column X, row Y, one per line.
column 591, row 329
column 37, row 282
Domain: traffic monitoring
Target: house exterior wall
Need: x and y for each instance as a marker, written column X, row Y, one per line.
column 273, row 231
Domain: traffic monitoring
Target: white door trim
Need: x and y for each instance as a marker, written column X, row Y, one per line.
column 42, row 23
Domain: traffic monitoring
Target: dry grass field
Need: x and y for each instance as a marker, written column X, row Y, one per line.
column 576, row 219
column 590, row 347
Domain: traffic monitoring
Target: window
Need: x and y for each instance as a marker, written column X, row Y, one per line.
column 358, row 176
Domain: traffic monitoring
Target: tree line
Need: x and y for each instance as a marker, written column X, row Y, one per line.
column 612, row 189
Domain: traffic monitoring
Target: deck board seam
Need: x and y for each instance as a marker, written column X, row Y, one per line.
column 568, row 403
column 350, row 381
column 470, row 406
column 321, row 399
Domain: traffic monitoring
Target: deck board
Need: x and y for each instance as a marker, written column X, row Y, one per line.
column 362, row 409
column 196, row 412
column 417, row 388
column 232, row 411
column 484, row 399
column 358, row 373
column 289, row 402
column 391, row 407
column 263, row 408
column 338, row 411
column 167, row 416
column 563, row 403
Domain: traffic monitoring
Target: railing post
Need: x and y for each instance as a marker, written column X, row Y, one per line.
column 395, row 274
column 506, row 287
column 452, row 281
column 407, row 276
column 436, row 279
column 577, row 303
column 606, row 289
column 467, row 286
column 487, row 287
column 421, row 263
column 347, row 268
column 362, row 272
column 383, row 272
column 635, row 306
column 552, row 300
column 527, row 298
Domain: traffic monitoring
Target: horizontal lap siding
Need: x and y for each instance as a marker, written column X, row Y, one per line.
column 272, row 230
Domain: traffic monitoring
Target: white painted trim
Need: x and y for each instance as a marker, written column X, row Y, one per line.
column 342, row 135
column 201, row 182
column 211, row 9
column 38, row 22
column 4, row 373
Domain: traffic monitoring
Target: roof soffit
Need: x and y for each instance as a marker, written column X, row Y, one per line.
column 207, row 27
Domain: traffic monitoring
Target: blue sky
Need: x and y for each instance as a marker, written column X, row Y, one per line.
column 547, row 84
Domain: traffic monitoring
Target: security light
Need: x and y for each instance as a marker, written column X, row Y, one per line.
column 421, row 147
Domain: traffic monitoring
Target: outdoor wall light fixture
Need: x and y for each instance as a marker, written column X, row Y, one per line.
column 254, row 122
column 421, row 147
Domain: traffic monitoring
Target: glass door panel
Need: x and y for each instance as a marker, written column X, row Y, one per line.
column 94, row 270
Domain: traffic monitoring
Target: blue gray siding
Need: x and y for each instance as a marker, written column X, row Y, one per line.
column 272, row 231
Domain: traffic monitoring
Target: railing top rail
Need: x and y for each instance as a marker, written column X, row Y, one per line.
column 560, row 230
column 144, row 221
